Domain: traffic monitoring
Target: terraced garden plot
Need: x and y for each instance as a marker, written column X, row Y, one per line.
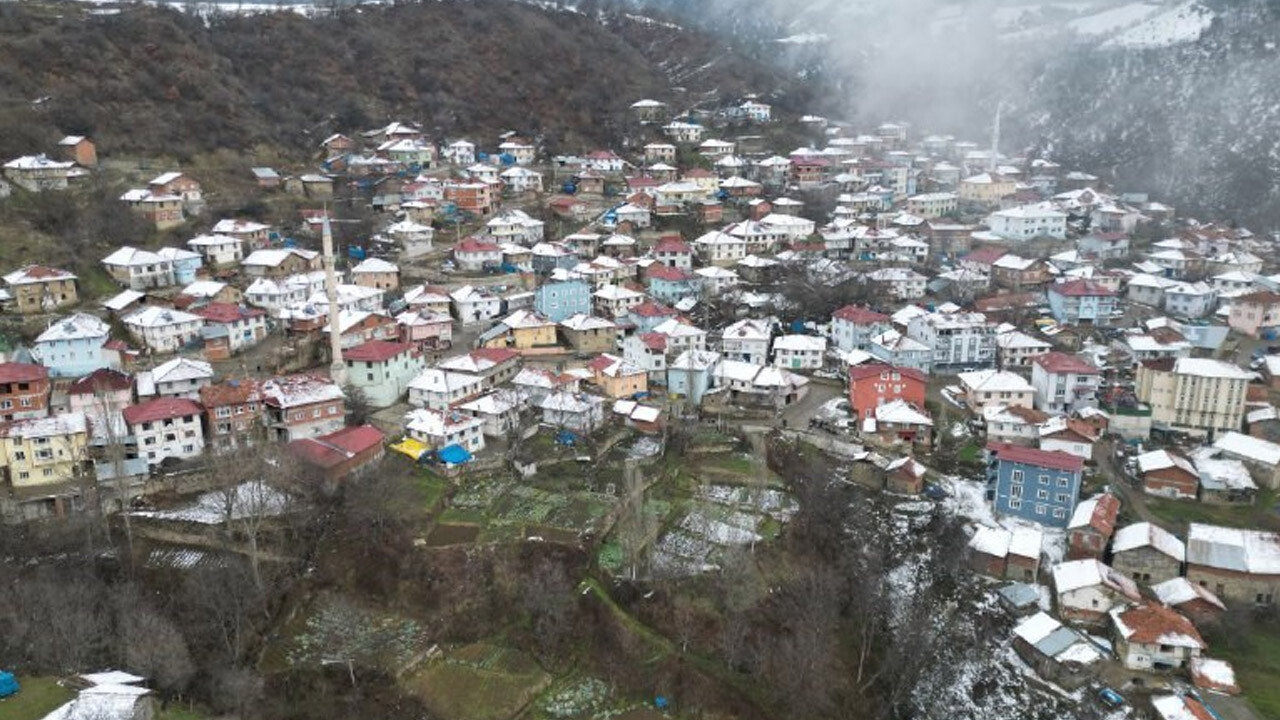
column 478, row 682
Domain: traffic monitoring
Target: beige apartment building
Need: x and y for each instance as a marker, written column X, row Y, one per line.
column 1193, row 395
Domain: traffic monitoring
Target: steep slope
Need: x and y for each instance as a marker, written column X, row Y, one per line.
column 157, row 81
column 1180, row 98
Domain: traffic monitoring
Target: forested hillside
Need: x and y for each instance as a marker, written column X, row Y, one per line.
column 152, row 81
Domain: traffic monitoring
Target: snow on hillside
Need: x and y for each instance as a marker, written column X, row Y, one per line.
column 804, row 39
column 1182, row 24
column 1115, row 19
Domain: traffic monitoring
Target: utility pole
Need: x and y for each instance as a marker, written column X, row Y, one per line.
column 337, row 368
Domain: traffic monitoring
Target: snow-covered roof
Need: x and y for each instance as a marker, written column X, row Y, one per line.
column 375, row 265
column 994, row 381
column 901, row 412
column 800, row 343
column 182, row 370
column 435, row 380
column 1145, row 534
column 1249, row 448
column 155, row 316
column 1251, row 551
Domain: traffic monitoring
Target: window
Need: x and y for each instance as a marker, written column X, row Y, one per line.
column 1015, row 491
column 1016, row 476
column 1042, row 494
column 1040, row 508
column 1062, row 482
column 222, row 412
column 1059, row 513
column 1015, row 503
column 1044, row 479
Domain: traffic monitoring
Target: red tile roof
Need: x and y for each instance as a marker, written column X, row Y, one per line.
column 1262, row 297
column 652, row 308
column 473, row 245
column 220, row 312
column 1151, row 622
column 1104, row 514
column 1081, row 288
column 231, row 392
column 986, row 255
column 22, row 372
column 1053, row 459
column 665, row 272
column 654, row 341
column 859, row 372
column 1060, row 362
column 672, row 245
column 376, row 351
column 101, row 379
column 860, row 315
column 161, row 409
column 331, row 450
column 495, row 355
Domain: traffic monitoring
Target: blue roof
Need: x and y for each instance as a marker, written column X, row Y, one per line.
column 454, row 455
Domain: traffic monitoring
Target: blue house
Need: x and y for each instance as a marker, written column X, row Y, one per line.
column 73, row 346
column 1038, row 485
column 1082, row 302
column 670, row 284
column 185, row 263
column 559, row 300
column 689, row 375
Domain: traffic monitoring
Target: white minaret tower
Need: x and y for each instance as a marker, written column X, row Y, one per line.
column 337, row 368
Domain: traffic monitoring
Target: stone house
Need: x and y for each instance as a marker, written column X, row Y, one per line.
column 1147, row 553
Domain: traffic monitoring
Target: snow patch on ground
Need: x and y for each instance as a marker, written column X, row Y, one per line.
column 804, row 39
column 1182, row 24
column 968, row 499
column 1114, row 20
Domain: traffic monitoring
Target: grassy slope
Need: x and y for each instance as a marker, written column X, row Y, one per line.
column 39, row 696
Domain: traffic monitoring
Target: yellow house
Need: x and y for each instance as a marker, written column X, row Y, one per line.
column 523, row 330
column 41, row 457
column 617, row 377
column 40, row 289
column 985, row 189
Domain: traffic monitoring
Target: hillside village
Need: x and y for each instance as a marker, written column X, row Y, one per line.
column 610, row 351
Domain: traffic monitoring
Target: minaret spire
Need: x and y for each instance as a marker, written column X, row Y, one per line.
column 338, row 367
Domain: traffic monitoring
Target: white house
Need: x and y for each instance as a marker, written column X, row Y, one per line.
column 720, row 248
column 1064, row 383
column 166, row 428
column 901, row 283
column 179, row 377
column 995, row 387
column 799, row 352
column 162, row 330
column 957, row 340
column 521, row 179
column 1026, row 222
column 746, row 341
column 578, row 412
column 1154, row 637
column 473, row 304
column 218, row 250
column 1190, row 300
column 438, row 389
column 139, row 269
column 1088, row 590
column 439, row 429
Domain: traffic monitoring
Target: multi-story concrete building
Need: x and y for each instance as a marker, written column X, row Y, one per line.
column 957, row 341
column 1193, row 395
column 166, row 428
column 1037, row 485
column 1064, row 383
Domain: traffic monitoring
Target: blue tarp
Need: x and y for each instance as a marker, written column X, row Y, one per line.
column 454, row 455
column 8, row 684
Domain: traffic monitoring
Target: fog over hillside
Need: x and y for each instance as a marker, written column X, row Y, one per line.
column 1181, row 99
